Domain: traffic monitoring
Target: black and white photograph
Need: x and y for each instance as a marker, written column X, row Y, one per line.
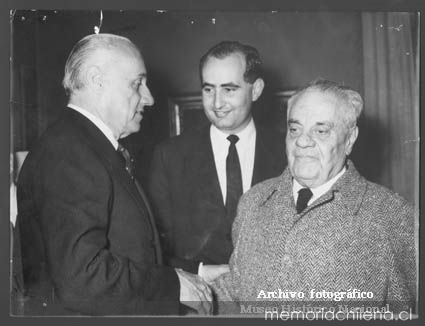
column 215, row 163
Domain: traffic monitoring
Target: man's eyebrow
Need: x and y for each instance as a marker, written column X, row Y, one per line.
column 142, row 75
column 221, row 85
column 293, row 121
column 230, row 85
column 325, row 123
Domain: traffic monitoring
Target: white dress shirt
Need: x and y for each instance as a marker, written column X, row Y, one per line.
column 98, row 123
column 246, row 152
column 318, row 191
column 13, row 203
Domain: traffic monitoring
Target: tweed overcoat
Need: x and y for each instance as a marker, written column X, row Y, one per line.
column 357, row 236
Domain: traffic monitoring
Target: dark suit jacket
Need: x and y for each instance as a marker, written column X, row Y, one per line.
column 87, row 242
column 187, row 199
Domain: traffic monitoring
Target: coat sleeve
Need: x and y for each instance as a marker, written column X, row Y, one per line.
column 401, row 228
column 74, row 195
column 227, row 288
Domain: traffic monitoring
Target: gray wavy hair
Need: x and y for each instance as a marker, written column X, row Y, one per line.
column 352, row 99
column 83, row 53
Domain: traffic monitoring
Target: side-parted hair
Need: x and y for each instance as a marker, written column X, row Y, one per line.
column 82, row 53
column 353, row 102
column 226, row 48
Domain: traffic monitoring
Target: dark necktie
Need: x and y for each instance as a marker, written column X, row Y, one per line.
column 129, row 166
column 129, row 162
column 304, row 195
column 234, row 177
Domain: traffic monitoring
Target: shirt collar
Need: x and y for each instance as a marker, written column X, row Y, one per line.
column 320, row 190
column 218, row 136
column 98, row 123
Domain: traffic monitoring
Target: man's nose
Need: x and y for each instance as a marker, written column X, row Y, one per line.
column 146, row 97
column 218, row 100
column 305, row 140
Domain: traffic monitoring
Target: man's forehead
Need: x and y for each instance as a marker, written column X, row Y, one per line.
column 128, row 53
column 316, row 108
column 315, row 102
column 224, row 71
column 234, row 59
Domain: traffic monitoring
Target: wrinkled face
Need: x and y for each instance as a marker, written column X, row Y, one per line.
column 317, row 140
column 226, row 96
column 125, row 93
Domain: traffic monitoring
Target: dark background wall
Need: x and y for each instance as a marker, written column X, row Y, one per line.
column 296, row 47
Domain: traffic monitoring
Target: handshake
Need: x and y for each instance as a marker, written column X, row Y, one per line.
column 195, row 291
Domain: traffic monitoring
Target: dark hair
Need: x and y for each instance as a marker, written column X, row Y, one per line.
column 226, row 48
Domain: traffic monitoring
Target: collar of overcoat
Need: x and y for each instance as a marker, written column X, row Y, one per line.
column 351, row 187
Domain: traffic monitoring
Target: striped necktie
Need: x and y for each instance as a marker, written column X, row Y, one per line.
column 129, row 166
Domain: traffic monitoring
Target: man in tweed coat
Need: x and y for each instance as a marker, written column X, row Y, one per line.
column 352, row 239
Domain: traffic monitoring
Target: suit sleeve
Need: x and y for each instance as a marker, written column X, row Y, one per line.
column 76, row 196
column 160, row 196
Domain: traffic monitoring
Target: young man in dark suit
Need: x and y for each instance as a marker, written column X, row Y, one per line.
column 89, row 241
column 198, row 177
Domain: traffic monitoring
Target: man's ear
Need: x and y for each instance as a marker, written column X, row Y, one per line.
column 257, row 88
column 94, row 77
column 351, row 139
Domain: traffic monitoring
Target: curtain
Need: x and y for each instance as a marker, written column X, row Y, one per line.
column 391, row 94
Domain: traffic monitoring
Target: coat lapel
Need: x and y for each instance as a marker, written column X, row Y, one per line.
column 125, row 179
column 204, row 172
column 351, row 187
column 104, row 149
column 265, row 161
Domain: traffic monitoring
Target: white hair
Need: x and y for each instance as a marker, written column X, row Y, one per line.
column 353, row 102
column 82, row 53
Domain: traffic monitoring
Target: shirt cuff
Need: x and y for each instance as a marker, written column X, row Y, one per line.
column 201, row 269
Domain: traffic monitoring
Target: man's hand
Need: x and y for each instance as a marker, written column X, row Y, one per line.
column 210, row 272
column 194, row 292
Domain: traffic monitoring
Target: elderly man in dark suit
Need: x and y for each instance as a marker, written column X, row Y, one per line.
column 198, row 177
column 89, row 241
column 321, row 230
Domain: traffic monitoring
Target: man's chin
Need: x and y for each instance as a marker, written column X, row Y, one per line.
column 130, row 130
column 306, row 175
column 222, row 124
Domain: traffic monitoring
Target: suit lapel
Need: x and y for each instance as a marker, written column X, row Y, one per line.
column 98, row 142
column 204, row 171
column 265, row 161
column 158, row 251
column 140, row 198
column 125, row 179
